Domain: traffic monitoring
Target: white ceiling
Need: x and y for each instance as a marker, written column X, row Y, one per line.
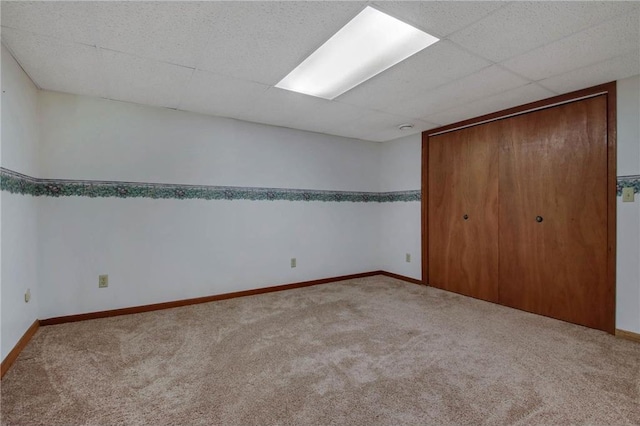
column 224, row 58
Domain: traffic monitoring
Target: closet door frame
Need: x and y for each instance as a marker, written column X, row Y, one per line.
column 608, row 89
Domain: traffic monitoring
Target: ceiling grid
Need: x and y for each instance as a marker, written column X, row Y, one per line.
column 224, row 58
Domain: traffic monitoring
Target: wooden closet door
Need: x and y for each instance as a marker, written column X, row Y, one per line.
column 463, row 182
column 553, row 214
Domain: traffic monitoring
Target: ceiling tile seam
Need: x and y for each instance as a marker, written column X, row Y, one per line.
column 368, row 135
column 373, row 110
column 471, row 52
column 146, row 58
column 46, row 36
column 381, row 5
column 97, row 45
column 405, row 117
column 510, row 71
column 185, row 90
column 103, row 76
column 13, row 55
column 493, row 12
column 329, row 128
column 529, row 80
column 132, row 103
column 183, row 93
column 107, row 88
column 495, row 95
column 555, row 92
column 226, row 117
column 199, row 68
column 557, row 40
column 539, row 82
column 362, row 111
column 425, row 92
column 506, row 3
column 378, row 111
column 267, row 86
column 298, row 130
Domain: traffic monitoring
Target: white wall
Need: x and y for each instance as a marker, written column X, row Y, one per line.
column 400, row 226
column 19, row 212
column 162, row 250
column 89, row 138
column 628, row 220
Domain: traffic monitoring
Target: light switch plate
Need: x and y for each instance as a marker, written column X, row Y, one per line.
column 627, row 195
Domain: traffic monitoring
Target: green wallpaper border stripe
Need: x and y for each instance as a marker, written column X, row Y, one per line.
column 628, row 181
column 17, row 183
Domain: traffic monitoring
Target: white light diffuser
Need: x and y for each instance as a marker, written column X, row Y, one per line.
column 369, row 44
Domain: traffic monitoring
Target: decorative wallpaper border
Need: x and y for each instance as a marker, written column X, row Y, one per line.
column 17, row 183
column 628, row 181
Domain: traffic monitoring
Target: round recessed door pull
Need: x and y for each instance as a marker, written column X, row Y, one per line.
column 465, row 217
column 539, row 219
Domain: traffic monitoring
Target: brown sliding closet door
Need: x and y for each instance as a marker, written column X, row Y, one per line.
column 463, row 211
column 553, row 213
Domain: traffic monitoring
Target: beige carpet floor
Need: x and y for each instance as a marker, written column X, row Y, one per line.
column 373, row 351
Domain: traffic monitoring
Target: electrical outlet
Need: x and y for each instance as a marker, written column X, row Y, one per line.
column 407, row 257
column 627, row 195
column 103, row 281
column 27, row 296
column 293, row 262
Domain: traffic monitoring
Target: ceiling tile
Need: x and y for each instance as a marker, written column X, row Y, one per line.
column 512, row 98
column 391, row 134
column 608, row 40
column 290, row 109
column 603, row 72
column 173, row 32
column 57, row 65
column 231, row 52
column 439, row 18
column 143, row 81
column 379, row 126
column 214, row 94
column 264, row 41
column 486, row 82
column 522, row 26
column 70, row 21
column 436, row 65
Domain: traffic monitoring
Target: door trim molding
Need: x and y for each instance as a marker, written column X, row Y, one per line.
column 608, row 89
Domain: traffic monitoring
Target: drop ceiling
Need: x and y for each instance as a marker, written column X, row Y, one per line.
column 224, row 58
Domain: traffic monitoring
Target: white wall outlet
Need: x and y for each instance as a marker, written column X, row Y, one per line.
column 103, row 281
column 627, row 195
column 407, row 257
column 293, row 262
column 27, row 296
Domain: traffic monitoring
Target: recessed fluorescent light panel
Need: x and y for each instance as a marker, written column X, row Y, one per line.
column 369, row 44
